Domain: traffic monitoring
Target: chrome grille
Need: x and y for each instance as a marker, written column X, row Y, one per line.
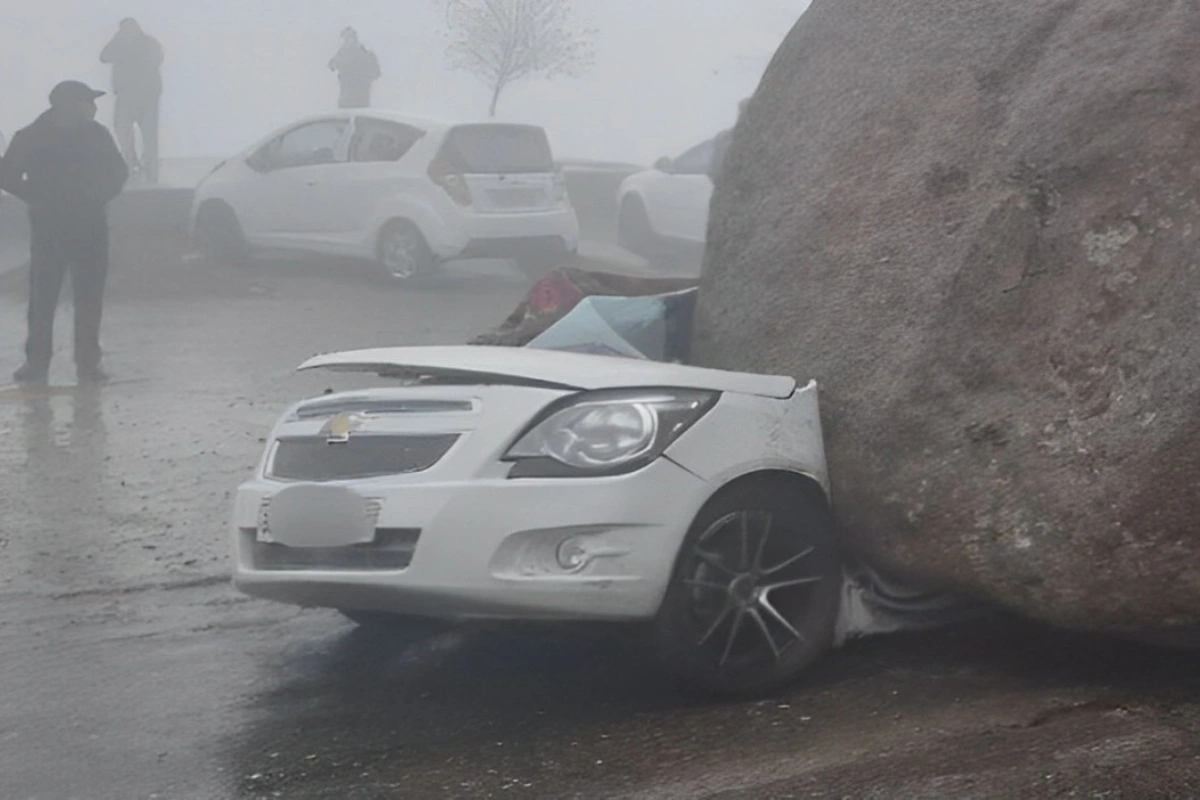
column 323, row 407
column 362, row 456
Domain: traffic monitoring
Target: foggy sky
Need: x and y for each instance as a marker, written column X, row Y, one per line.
column 668, row 73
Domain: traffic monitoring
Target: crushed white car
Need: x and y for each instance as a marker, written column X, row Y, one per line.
column 522, row 484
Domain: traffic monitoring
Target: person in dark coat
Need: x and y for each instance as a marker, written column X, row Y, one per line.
column 136, row 59
column 66, row 167
column 357, row 69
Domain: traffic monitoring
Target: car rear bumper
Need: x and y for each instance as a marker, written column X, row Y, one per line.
column 507, row 235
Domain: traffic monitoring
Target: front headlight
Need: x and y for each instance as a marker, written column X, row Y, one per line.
column 606, row 433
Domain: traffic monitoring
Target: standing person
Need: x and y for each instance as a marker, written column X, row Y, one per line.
column 357, row 69
column 136, row 59
column 66, row 167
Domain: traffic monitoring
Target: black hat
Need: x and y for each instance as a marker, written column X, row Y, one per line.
column 72, row 92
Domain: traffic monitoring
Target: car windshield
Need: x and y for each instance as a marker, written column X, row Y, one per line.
column 498, row 149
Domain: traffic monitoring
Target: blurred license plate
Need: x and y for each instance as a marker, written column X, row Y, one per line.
column 316, row 515
column 517, row 198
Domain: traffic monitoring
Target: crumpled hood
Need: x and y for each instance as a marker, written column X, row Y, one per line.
column 520, row 366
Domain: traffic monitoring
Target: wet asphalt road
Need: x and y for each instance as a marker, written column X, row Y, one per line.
column 130, row 669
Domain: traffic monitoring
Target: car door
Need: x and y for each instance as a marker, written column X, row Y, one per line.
column 373, row 175
column 683, row 195
column 285, row 207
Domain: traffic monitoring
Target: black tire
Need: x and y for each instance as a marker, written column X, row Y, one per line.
column 403, row 252
column 634, row 231
column 722, row 606
column 218, row 233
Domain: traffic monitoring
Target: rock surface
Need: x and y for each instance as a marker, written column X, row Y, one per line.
column 977, row 225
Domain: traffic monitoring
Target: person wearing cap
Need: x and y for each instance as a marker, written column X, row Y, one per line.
column 136, row 59
column 357, row 69
column 66, row 167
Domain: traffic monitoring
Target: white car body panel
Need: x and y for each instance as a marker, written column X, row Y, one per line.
column 564, row 369
column 676, row 205
column 677, row 199
column 488, row 543
column 340, row 209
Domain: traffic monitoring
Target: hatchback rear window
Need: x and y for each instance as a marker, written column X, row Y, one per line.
column 498, row 149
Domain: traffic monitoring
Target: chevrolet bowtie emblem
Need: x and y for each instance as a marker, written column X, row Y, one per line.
column 338, row 429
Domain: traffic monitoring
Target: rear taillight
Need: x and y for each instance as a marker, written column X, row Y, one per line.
column 452, row 182
column 560, row 189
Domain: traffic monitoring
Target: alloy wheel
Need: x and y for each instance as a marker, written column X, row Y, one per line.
column 748, row 589
column 401, row 254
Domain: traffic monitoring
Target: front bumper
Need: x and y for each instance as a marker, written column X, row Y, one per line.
column 489, row 548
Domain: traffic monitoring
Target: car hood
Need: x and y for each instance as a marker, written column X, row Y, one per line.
column 548, row 368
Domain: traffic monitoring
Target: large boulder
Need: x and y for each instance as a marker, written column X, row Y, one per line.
column 977, row 225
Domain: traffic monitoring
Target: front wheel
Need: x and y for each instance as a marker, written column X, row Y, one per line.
column 634, row 232
column 218, row 233
column 404, row 253
column 756, row 591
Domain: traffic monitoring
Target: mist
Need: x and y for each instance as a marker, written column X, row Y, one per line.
column 668, row 73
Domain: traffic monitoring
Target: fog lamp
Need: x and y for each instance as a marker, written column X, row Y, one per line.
column 574, row 553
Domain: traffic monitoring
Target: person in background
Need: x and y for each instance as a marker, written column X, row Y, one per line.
column 136, row 60
column 66, row 167
column 357, row 69
column 721, row 147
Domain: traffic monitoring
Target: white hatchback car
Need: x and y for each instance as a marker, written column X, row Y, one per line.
column 663, row 212
column 519, row 484
column 405, row 192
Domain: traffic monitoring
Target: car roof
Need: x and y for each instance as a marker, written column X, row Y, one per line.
column 428, row 124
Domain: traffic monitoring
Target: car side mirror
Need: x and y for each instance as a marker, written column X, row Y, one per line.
column 323, row 156
column 663, row 164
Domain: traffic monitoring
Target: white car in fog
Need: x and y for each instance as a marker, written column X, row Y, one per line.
column 663, row 212
column 407, row 193
column 518, row 484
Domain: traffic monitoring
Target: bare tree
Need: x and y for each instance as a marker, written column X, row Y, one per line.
column 501, row 42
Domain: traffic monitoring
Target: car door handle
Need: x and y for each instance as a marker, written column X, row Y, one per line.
column 310, row 183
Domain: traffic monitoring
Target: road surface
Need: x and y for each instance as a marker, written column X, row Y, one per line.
column 131, row 669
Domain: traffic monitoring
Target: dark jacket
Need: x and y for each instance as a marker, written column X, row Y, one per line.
column 356, row 66
column 136, row 65
column 65, row 175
